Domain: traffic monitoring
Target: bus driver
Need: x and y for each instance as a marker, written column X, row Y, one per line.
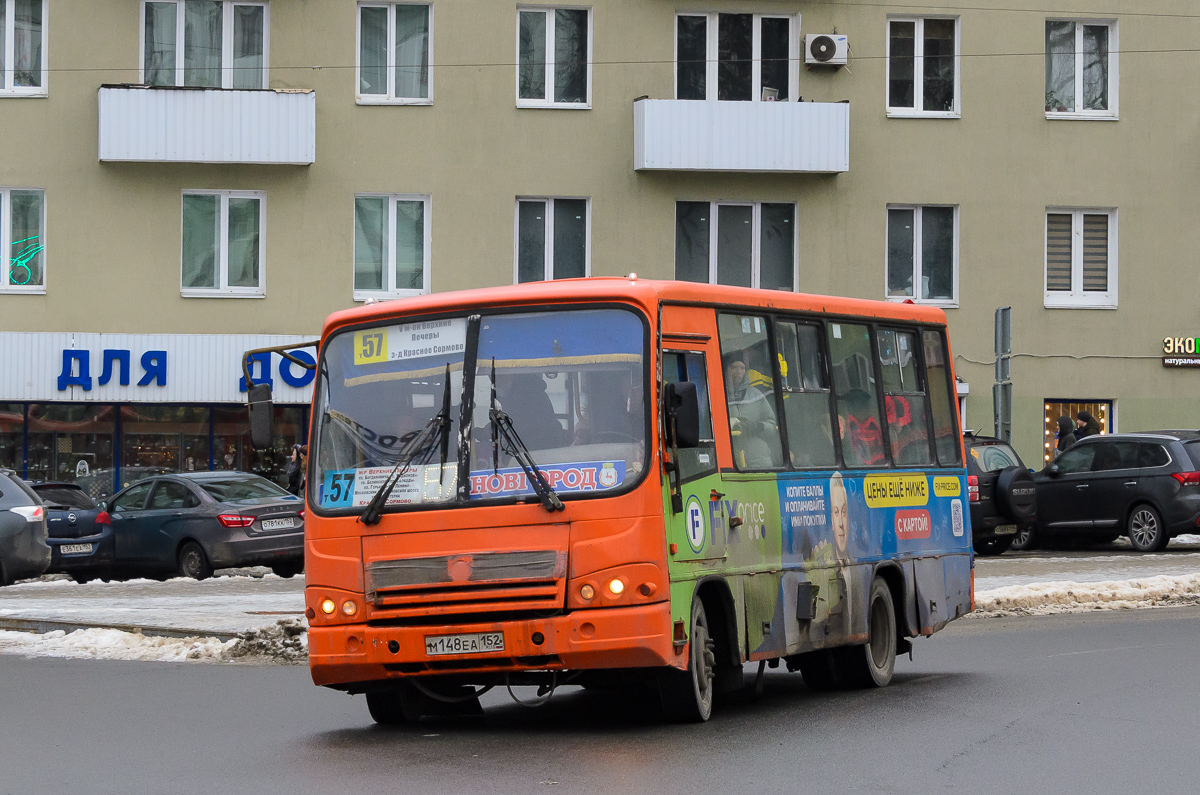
column 752, row 420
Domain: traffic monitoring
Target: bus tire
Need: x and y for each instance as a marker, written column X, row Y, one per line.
column 687, row 696
column 389, row 708
column 819, row 669
column 873, row 663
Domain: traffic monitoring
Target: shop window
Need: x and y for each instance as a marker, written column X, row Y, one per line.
column 922, row 67
column 72, row 443
column 942, row 394
column 552, row 239
column 737, row 57
column 904, row 401
column 391, row 246
column 744, row 245
column 222, row 244
column 22, row 238
column 750, row 392
column 1100, row 410
column 1081, row 258
column 394, row 63
column 1081, row 69
column 23, row 48
column 553, row 66
column 690, row 367
column 224, row 44
column 804, row 385
column 158, row 439
column 853, row 377
column 12, row 437
column 231, row 442
column 922, row 254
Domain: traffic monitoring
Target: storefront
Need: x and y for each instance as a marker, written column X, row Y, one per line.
column 104, row 410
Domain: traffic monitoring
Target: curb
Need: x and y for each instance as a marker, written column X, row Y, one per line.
column 42, row 626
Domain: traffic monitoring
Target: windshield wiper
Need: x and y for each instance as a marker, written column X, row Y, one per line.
column 502, row 426
column 436, row 430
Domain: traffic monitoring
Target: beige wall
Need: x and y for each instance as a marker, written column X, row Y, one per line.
column 113, row 230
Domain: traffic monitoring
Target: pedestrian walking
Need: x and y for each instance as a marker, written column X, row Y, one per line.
column 1066, row 436
column 295, row 470
column 1085, row 425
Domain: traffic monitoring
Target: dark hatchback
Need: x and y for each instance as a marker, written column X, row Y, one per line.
column 1003, row 497
column 191, row 523
column 23, row 549
column 1143, row 485
column 80, row 532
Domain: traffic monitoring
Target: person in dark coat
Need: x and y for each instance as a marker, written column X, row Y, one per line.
column 1066, row 436
column 1085, row 425
column 295, row 471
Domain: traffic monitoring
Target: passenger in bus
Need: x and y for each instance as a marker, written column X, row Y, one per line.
column 752, row 422
column 523, row 397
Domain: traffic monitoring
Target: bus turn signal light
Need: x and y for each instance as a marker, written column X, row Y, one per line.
column 587, row 593
column 349, row 608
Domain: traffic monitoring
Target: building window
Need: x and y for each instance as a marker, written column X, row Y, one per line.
column 22, row 237
column 224, row 44
column 553, row 239
column 922, row 254
column 394, row 60
column 391, row 246
column 1081, row 69
column 223, row 244
column 1101, row 410
column 746, row 245
column 1081, row 258
column 922, row 66
column 746, row 57
column 553, row 57
column 23, row 47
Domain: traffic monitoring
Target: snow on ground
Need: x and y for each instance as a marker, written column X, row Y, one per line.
column 1044, row 598
column 1117, row 561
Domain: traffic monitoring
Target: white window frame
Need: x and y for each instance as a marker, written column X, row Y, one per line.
column 226, row 42
column 8, row 43
column 916, row 112
column 756, row 241
column 918, row 270
column 390, row 97
column 549, row 102
column 6, row 245
column 1114, row 72
column 1077, row 298
column 389, row 265
column 223, row 290
column 548, row 260
column 711, row 66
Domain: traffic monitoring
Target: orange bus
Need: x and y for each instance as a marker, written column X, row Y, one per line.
column 611, row 480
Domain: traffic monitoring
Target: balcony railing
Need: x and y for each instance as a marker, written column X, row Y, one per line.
column 697, row 135
column 199, row 125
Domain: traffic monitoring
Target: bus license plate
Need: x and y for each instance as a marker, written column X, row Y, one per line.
column 1006, row 529
column 478, row 643
column 278, row 524
column 76, row 549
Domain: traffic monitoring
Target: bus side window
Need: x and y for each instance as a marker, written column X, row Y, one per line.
column 749, row 379
column 806, row 397
column 941, row 397
column 677, row 367
column 904, row 398
column 853, row 375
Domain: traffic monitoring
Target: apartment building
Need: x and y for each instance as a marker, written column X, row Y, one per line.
column 182, row 180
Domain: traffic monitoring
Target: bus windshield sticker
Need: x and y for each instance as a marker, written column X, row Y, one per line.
column 587, row 476
column 411, row 341
column 353, row 488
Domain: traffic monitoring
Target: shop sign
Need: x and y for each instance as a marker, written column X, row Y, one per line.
column 77, row 366
column 1181, row 352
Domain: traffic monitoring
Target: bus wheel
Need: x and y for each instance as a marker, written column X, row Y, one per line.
column 389, row 707
column 687, row 696
column 819, row 670
column 872, row 664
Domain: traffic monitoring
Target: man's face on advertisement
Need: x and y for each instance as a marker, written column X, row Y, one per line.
column 839, row 508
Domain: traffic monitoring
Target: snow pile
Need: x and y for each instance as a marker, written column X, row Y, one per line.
column 1039, row 599
column 285, row 642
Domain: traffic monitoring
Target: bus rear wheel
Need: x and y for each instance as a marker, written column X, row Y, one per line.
column 687, row 696
column 873, row 663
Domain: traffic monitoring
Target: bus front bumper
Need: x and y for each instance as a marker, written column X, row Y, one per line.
column 617, row 637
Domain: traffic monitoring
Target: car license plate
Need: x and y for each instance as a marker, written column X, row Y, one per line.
column 76, row 549
column 464, row 644
column 278, row 524
column 1006, row 529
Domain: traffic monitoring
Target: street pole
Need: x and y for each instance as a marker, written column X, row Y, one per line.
column 1002, row 390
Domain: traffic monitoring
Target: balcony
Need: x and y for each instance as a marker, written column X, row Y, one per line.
column 207, row 125
column 780, row 137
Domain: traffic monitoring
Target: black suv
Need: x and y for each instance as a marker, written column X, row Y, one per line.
column 1003, row 498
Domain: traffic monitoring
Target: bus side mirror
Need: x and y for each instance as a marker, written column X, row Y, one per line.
column 262, row 417
column 683, row 413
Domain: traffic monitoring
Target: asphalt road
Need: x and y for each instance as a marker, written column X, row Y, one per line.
column 1094, row 703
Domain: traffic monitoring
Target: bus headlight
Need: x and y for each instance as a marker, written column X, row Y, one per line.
column 328, row 606
column 616, row 587
column 349, row 608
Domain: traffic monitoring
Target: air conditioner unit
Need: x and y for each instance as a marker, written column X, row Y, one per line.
column 825, row 49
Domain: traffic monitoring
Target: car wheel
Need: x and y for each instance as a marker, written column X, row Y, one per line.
column 873, row 663
column 1145, row 529
column 193, row 562
column 687, row 696
column 287, row 570
column 993, row 546
column 1025, row 539
column 3, row 576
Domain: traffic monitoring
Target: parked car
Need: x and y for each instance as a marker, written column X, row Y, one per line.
column 1143, row 485
column 1003, row 498
column 23, row 548
column 190, row 523
column 81, row 535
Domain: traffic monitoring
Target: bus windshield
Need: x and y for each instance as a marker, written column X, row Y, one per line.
column 571, row 381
